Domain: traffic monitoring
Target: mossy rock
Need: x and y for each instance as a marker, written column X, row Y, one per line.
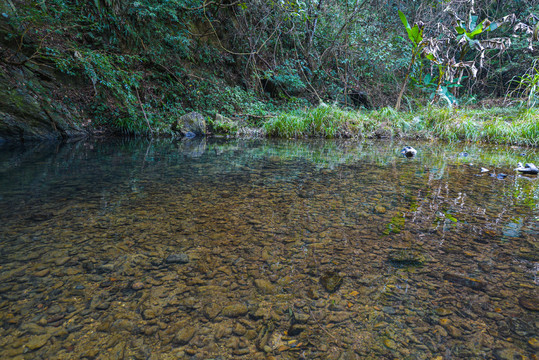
column 189, row 125
column 224, row 126
column 27, row 111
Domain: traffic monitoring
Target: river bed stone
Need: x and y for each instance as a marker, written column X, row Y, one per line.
column 529, row 303
column 331, row 281
column 234, row 310
column 249, row 251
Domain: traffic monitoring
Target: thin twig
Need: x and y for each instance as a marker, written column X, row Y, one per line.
column 321, row 327
column 143, row 112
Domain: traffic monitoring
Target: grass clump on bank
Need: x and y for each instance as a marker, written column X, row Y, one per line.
column 323, row 121
column 497, row 125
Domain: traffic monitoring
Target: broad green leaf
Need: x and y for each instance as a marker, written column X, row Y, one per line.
column 410, row 35
column 416, row 34
column 426, row 79
column 404, row 20
column 478, row 30
column 419, row 35
column 460, row 30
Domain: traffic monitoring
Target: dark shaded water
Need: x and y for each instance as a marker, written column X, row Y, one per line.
column 267, row 250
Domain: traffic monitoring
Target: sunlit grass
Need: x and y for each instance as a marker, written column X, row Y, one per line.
column 322, row 121
column 498, row 125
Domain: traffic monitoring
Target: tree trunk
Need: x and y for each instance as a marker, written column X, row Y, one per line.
column 401, row 94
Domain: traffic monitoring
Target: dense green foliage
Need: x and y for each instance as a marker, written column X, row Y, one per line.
column 142, row 64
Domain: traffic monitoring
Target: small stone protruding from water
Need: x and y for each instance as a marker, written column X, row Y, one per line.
column 177, row 259
column 408, row 151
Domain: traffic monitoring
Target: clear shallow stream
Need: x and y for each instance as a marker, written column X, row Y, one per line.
column 135, row 249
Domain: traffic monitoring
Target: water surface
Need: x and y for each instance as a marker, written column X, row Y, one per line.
column 138, row 249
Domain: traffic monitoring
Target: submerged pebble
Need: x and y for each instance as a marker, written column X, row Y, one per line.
column 183, row 336
column 529, row 302
column 137, row 285
column 235, row 256
column 331, row 281
column 177, row 259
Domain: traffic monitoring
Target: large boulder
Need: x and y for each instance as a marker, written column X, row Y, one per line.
column 190, row 125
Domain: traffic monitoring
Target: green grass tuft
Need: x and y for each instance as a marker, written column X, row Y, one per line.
column 498, row 125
